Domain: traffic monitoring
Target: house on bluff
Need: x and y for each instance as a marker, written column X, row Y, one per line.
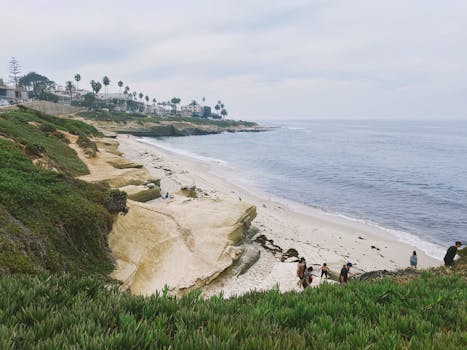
column 11, row 93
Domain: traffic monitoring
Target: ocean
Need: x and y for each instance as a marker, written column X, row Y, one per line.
column 407, row 177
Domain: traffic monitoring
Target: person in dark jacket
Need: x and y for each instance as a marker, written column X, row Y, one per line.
column 345, row 273
column 451, row 253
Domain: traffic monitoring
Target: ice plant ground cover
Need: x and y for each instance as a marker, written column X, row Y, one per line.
column 65, row 311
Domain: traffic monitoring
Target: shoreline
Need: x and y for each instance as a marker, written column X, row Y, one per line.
column 218, row 169
column 318, row 236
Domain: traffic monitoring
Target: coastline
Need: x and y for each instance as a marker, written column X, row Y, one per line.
column 318, row 236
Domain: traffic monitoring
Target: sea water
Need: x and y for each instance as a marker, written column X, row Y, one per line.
column 407, row 177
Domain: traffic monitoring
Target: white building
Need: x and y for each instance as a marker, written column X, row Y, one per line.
column 192, row 108
column 12, row 93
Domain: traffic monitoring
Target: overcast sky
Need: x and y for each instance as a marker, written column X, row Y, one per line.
column 264, row 59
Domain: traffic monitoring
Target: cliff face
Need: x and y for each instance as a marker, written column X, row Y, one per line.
column 170, row 128
column 181, row 243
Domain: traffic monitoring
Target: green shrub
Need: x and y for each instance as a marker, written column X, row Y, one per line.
column 67, row 214
column 64, row 311
column 89, row 147
column 21, row 127
column 115, row 201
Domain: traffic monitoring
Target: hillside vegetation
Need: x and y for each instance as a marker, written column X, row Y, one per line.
column 64, row 312
column 48, row 220
column 125, row 117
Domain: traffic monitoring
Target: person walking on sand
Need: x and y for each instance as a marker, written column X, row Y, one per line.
column 301, row 268
column 308, row 278
column 451, row 253
column 345, row 273
column 324, row 270
column 413, row 260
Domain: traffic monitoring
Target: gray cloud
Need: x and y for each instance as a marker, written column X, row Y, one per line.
column 267, row 59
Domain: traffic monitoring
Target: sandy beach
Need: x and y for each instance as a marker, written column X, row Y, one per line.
column 279, row 227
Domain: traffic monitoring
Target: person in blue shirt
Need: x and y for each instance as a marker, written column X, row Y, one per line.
column 413, row 260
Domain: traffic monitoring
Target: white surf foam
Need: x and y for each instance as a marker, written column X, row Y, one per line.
column 185, row 153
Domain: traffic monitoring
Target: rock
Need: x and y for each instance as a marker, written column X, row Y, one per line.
column 290, row 253
column 268, row 244
column 142, row 193
column 188, row 191
column 249, row 257
column 291, row 260
column 153, row 182
column 251, row 232
column 122, row 163
column 182, row 244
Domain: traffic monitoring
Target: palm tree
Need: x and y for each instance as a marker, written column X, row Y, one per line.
column 224, row 113
column 125, row 94
column 93, row 86
column 141, row 95
column 120, row 85
column 204, row 100
column 134, row 94
column 217, row 108
column 106, row 82
column 97, row 87
column 69, row 88
column 154, row 105
column 175, row 101
column 77, row 78
column 147, row 101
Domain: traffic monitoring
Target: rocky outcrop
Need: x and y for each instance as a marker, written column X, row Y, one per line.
column 188, row 191
column 184, row 242
column 110, row 168
column 169, row 128
column 180, row 243
column 249, row 257
column 142, row 193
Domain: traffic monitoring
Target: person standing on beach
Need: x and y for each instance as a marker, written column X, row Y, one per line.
column 324, row 270
column 413, row 260
column 308, row 278
column 345, row 273
column 451, row 253
column 301, row 268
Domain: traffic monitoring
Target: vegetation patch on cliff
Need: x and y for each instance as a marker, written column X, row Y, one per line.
column 65, row 311
column 40, row 137
column 121, row 117
column 48, row 220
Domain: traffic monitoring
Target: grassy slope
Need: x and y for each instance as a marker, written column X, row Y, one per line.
column 124, row 117
column 38, row 133
column 48, row 220
column 60, row 312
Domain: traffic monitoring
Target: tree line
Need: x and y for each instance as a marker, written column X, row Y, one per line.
column 39, row 86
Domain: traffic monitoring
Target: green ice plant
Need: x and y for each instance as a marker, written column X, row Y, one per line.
column 66, row 310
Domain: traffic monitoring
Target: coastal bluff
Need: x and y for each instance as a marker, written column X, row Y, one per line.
column 183, row 243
